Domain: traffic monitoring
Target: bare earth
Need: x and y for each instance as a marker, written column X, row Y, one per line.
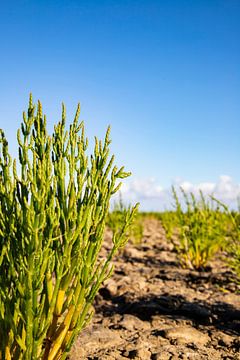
column 151, row 308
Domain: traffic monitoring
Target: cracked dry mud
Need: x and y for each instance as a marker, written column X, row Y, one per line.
column 151, row 308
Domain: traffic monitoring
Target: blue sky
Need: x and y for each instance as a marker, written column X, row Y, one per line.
column 164, row 74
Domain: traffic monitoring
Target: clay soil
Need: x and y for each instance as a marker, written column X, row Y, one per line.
column 151, row 308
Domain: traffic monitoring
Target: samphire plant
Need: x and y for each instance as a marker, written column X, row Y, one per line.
column 115, row 221
column 233, row 237
column 53, row 208
column 201, row 230
column 170, row 222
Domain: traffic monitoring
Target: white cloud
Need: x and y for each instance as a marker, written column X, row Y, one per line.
column 142, row 189
column 152, row 196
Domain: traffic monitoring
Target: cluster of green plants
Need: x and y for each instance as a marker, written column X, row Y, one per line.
column 170, row 222
column 115, row 221
column 233, row 237
column 53, row 210
column 201, row 227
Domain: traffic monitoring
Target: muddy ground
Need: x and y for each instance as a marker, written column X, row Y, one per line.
column 151, row 308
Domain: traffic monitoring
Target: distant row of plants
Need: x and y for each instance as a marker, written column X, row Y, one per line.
column 204, row 227
column 199, row 228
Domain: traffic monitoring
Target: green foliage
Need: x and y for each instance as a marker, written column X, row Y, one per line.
column 201, row 230
column 233, row 236
column 136, row 230
column 116, row 218
column 170, row 223
column 53, row 209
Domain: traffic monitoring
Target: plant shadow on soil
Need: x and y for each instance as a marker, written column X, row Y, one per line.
column 222, row 316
